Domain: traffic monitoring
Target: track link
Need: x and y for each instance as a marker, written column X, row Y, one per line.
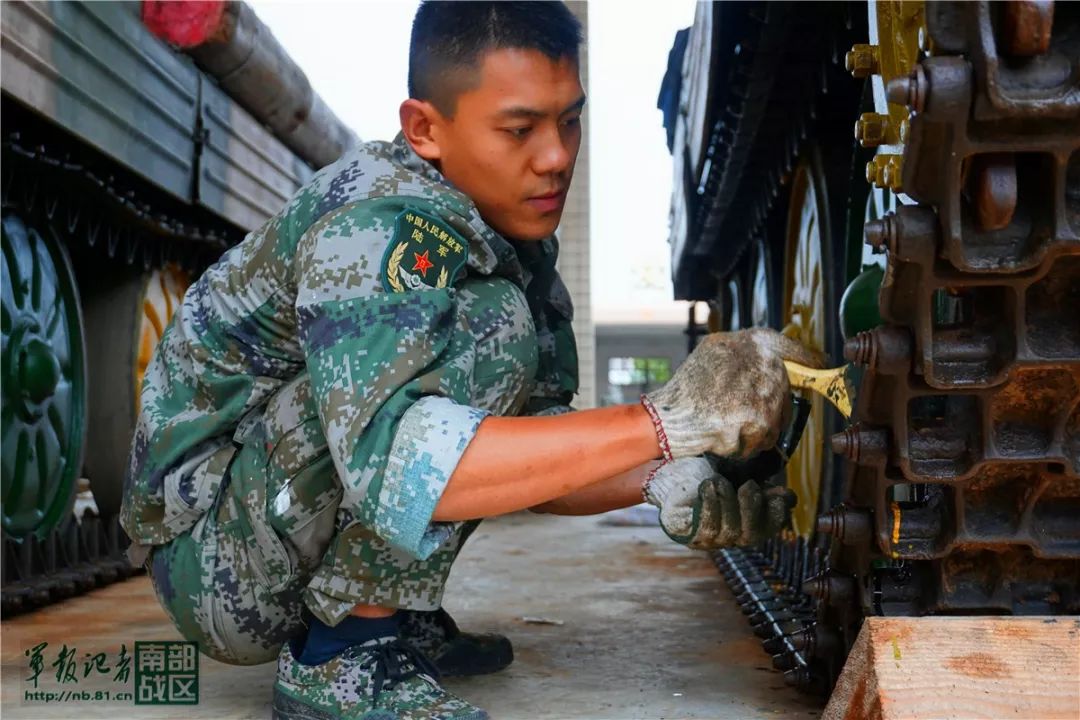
column 962, row 491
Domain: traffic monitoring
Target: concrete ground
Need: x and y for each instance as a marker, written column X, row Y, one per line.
column 607, row 622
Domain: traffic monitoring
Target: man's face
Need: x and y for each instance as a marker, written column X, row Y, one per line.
column 513, row 141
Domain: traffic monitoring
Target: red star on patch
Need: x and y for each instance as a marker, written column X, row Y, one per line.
column 422, row 263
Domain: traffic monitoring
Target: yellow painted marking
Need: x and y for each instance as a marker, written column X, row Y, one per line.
column 833, row 385
column 895, row 649
column 895, row 523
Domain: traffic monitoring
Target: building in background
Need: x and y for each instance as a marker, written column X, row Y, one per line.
column 574, row 241
column 637, row 349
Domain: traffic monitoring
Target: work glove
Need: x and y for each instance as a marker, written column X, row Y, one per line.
column 729, row 397
column 702, row 509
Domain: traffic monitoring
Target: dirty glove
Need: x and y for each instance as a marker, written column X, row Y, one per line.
column 729, row 396
column 702, row 510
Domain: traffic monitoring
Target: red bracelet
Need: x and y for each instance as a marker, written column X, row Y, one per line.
column 648, row 479
column 661, row 435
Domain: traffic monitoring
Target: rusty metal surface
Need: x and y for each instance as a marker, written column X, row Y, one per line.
column 962, row 487
column 1046, row 84
column 966, row 456
column 1026, row 27
column 993, row 190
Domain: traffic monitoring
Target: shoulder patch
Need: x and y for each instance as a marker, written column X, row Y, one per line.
column 424, row 252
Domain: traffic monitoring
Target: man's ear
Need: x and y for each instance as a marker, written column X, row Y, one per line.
column 422, row 125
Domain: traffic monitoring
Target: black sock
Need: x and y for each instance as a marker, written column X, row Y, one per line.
column 324, row 642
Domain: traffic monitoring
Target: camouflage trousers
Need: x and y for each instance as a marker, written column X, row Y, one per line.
column 274, row 537
column 237, row 581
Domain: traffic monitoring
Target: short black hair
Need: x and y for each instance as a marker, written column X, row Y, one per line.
column 450, row 38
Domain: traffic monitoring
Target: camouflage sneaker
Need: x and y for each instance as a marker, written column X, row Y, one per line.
column 384, row 679
column 455, row 653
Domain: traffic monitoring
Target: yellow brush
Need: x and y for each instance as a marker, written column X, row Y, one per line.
column 833, row 384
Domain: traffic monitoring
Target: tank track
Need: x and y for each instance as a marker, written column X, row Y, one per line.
column 105, row 223
column 778, row 70
column 72, row 559
column 962, row 491
column 101, row 213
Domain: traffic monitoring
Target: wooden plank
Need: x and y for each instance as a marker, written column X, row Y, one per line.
column 954, row 668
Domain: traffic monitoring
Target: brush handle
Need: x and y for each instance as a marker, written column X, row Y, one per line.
column 832, row 384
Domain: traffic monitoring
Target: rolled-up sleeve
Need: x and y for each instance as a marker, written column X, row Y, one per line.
column 430, row 439
column 391, row 373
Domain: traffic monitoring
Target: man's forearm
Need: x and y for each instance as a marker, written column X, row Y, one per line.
column 519, row 462
column 617, row 492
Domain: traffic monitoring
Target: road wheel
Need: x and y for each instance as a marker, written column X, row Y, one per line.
column 44, row 380
column 763, row 285
column 807, row 314
column 727, row 308
column 126, row 316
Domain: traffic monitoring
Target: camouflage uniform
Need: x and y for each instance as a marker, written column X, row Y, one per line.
column 312, row 396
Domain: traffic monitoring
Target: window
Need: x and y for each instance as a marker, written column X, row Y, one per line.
column 645, row 373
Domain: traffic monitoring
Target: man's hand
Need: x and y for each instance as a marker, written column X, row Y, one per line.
column 729, row 397
column 702, row 510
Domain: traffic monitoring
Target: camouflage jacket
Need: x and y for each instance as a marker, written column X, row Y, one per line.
column 357, row 281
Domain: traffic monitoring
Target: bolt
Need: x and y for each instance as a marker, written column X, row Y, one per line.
column 749, row 573
column 905, row 130
column 885, row 349
column 860, row 349
column 748, row 597
column 872, row 174
column 815, row 586
column 803, row 640
column 893, row 173
column 844, row 444
column 909, row 91
column 773, row 605
column 766, row 616
column 797, row 641
column 884, row 171
column 898, row 90
column 784, row 661
column 790, row 627
column 861, row 445
column 774, row 645
column 762, row 630
column 880, row 234
column 830, row 589
column 862, row 60
column 871, row 129
column 847, row 525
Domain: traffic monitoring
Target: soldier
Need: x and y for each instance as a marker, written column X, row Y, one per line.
column 389, row 359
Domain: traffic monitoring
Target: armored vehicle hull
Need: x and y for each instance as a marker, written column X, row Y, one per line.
column 127, row 168
column 938, row 249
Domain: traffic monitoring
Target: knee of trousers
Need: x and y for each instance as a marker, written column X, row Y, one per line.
column 207, row 582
